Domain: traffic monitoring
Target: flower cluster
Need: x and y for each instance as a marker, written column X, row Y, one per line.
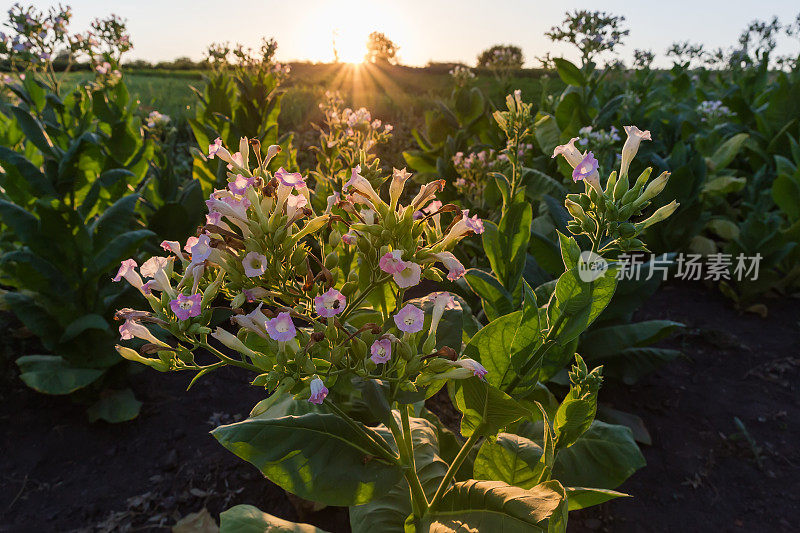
column 157, row 121
column 462, row 75
column 713, row 112
column 307, row 292
column 603, row 213
column 599, row 138
column 473, row 173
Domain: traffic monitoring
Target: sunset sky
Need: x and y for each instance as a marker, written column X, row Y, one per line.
column 424, row 29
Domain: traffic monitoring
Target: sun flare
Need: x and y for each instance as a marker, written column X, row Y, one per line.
column 339, row 30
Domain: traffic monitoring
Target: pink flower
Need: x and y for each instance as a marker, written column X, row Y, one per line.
column 153, row 265
column 237, row 160
column 186, row 307
column 349, row 238
column 470, row 364
column 293, row 203
column 318, row 391
column 200, row 248
column 410, row 319
column 585, row 168
column 254, row 264
column 381, row 351
column 392, row 262
column 131, row 329
column 127, row 271
column 570, row 153
column 290, row 179
column 240, row 184
column 463, row 227
column 214, row 218
column 174, row 247
column 409, row 276
column 214, row 148
column 360, row 185
column 455, row 269
column 432, row 207
column 281, row 328
column 191, row 241
column 329, row 304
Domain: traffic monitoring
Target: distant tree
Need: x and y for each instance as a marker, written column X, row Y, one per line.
column 592, row 32
column 505, row 56
column 381, row 49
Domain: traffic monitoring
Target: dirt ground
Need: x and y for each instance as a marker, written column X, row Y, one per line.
column 60, row 473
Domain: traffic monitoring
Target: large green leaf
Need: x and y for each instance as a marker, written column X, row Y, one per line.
column 389, row 512
column 34, row 132
column 582, row 497
column 119, row 248
column 496, row 506
column 579, row 302
column 603, row 457
column 485, row 408
column 51, row 374
column 115, row 407
column 569, row 73
column 506, row 245
column 316, row 456
column 115, row 220
column 511, row 459
column 725, row 154
column 249, row 519
column 496, row 300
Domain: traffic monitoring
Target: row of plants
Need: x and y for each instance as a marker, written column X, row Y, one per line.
column 304, row 276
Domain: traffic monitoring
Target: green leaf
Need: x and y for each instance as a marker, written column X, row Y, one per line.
column 582, row 497
column 115, row 407
column 496, row 300
column 570, row 251
column 83, row 323
column 23, row 224
column 580, row 302
column 547, row 133
column 603, row 457
column 120, row 247
column 569, row 73
column 389, row 512
column 249, row 519
column 511, row 459
column 496, row 506
column 486, row 409
column 33, row 130
column 115, row 220
column 315, row 456
column 727, row 152
column 51, row 374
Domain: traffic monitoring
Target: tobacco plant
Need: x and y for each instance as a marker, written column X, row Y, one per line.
column 320, row 339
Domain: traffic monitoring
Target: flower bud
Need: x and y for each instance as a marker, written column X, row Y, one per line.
column 654, row 189
column 661, row 214
column 349, row 288
column 331, row 260
column 133, row 355
column 575, row 210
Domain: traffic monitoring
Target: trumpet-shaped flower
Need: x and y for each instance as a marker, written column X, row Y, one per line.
column 127, row 270
column 254, row 264
column 150, row 267
column 330, row 303
column 254, row 321
column 174, row 247
column 240, row 184
column 399, row 178
column 570, row 153
column 290, row 179
column 281, row 328
column 349, row 238
column 586, row 168
column 463, row 227
column 131, row 329
column 293, row 203
column 318, row 391
column 471, row 364
column 455, row 269
column 186, row 307
column 392, row 262
column 631, row 146
column 426, row 193
column 409, row 276
column 381, row 351
column 200, row 248
column 441, row 302
column 410, row 319
column 217, row 150
column 362, row 187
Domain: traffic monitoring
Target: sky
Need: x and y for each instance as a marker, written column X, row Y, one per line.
column 425, row 30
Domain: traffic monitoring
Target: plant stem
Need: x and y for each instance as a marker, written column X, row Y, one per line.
column 454, row 466
column 418, row 500
column 370, row 435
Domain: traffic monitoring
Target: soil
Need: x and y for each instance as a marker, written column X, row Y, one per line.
column 61, row 473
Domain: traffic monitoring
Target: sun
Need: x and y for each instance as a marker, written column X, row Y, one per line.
column 339, row 30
